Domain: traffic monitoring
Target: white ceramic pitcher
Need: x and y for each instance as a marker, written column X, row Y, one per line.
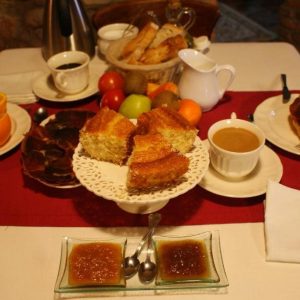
column 199, row 80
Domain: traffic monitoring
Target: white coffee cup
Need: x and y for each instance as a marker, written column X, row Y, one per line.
column 229, row 163
column 70, row 71
column 112, row 32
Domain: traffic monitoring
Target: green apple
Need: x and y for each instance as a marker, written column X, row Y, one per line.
column 134, row 105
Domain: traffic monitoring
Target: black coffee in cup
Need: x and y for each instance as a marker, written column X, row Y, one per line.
column 68, row 66
column 70, row 71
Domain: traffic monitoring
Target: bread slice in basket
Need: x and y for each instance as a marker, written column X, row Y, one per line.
column 135, row 48
column 167, row 31
column 154, row 45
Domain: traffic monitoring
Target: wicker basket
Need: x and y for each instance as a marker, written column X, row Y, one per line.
column 158, row 73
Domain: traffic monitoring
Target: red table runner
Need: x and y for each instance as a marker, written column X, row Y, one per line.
column 26, row 202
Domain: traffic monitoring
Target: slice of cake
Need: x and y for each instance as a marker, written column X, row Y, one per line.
column 154, row 163
column 107, row 136
column 171, row 125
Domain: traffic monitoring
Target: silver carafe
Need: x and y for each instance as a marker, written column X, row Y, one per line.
column 66, row 27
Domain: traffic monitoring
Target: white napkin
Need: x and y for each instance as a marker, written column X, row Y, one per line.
column 282, row 223
column 18, row 86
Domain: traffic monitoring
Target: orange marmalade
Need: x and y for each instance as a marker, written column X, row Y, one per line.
column 182, row 260
column 96, row 264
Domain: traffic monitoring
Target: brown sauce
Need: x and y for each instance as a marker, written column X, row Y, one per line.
column 236, row 139
column 95, row 264
column 182, row 260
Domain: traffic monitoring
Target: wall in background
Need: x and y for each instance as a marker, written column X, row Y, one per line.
column 289, row 22
column 21, row 21
column 279, row 16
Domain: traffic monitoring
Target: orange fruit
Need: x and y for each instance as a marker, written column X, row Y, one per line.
column 3, row 100
column 190, row 110
column 5, row 128
column 167, row 86
column 151, row 87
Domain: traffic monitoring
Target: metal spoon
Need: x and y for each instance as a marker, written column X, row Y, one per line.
column 148, row 269
column 40, row 114
column 131, row 263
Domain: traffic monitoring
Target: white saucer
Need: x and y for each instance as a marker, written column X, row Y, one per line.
column 21, row 123
column 44, row 88
column 269, row 167
column 272, row 116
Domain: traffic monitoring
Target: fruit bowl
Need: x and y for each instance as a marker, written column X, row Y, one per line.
column 158, row 73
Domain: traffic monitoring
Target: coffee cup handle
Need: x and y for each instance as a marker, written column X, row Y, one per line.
column 231, row 70
column 61, row 79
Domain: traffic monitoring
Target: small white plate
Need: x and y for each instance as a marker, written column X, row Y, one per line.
column 272, row 116
column 269, row 167
column 45, row 89
column 21, row 123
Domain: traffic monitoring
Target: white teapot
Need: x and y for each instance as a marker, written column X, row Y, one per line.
column 199, row 80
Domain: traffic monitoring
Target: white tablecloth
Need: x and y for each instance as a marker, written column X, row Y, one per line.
column 258, row 65
column 29, row 256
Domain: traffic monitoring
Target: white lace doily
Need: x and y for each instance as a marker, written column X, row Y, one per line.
column 108, row 180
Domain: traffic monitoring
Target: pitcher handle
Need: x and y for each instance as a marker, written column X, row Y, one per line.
column 190, row 12
column 231, row 71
